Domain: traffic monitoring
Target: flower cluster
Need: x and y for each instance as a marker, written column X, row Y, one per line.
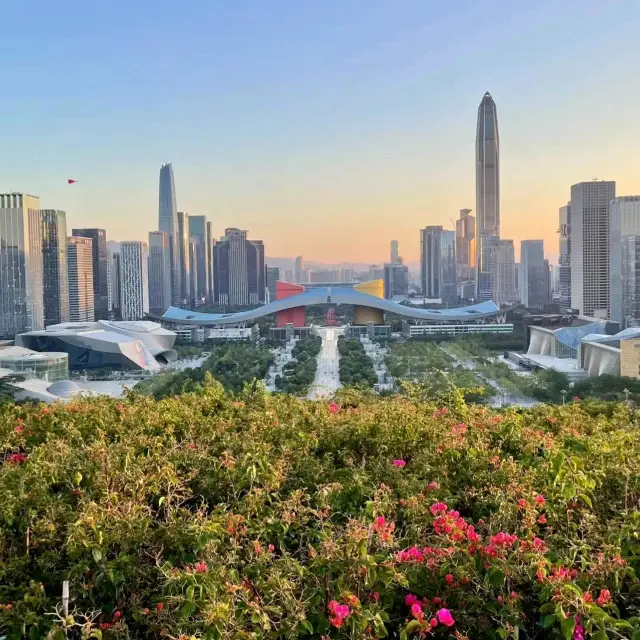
column 338, row 613
column 400, row 464
column 384, row 529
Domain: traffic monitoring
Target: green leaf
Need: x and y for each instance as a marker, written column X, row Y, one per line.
column 547, row 621
column 568, row 625
column 190, row 592
column 188, row 609
column 496, row 577
column 568, row 492
column 97, row 554
column 413, row 626
column 305, row 625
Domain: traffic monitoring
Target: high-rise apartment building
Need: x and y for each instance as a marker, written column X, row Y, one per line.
column 298, row 271
column 184, row 261
column 80, row 268
column 113, row 277
column 590, row 239
column 273, row 275
column 487, row 197
column 21, row 280
column 376, row 272
column 134, row 281
column 209, row 240
column 193, row 272
column 198, row 233
column 624, row 232
column 160, row 283
column 438, row 264
column 239, row 270
column 564, row 257
column 396, row 280
column 54, row 266
column 505, row 292
column 100, row 258
column 394, row 252
column 168, row 222
column 465, row 246
column 533, row 275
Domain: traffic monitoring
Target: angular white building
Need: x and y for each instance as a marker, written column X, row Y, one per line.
column 134, row 281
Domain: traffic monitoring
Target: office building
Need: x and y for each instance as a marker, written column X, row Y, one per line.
column 272, row 275
column 394, row 252
column 134, row 282
column 113, row 277
column 533, row 275
column 298, row 271
column 239, row 271
column 80, row 270
column 21, row 285
column 564, row 257
column 198, row 233
column 624, row 231
column 487, row 197
column 55, row 275
column 376, row 272
column 590, row 240
column 209, row 241
column 465, row 246
column 505, row 283
column 100, row 258
column 160, row 284
column 288, row 275
column 438, row 264
column 168, row 222
column 193, row 272
column 396, row 281
column 184, row 261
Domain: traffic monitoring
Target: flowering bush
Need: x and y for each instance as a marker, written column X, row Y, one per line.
column 258, row 516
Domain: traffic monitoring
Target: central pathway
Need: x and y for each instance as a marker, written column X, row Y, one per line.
column 328, row 372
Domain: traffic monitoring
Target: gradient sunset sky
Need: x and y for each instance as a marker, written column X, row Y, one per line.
column 325, row 127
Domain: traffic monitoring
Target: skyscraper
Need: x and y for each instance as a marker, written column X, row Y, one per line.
column 21, row 285
column 533, row 278
column 298, row 271
column 168, row 222
column 273, row 275
column 134, row 282
column 394, row 252
column 238, row 269
column 54, row 264
column 209, row 241
column 198, row 233
column 505, row 291
column 564, row 259
column 590, row 240
column 80, row 267
column 396, row 280
column 193, row 272
column 487, row 197
column 160, row 284
column 113, row 276
column 100, row 286
column 438, row 264
column 183, row 257
column 625, row 260
column 465, row 246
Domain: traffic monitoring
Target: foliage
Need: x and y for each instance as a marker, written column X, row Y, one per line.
column 233, row 364
column 189, row 349
column 299, row 374
column 7, row 387
column 261, row 516
column 608, row 387
column 356, row 367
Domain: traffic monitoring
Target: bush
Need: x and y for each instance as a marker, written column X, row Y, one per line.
column 356, row 367
column 262, row 516
column 300, row 374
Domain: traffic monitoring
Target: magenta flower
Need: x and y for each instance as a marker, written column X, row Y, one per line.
column 444, row 617
column 334, row 408
column 399, row 463
column 410, row 599
column 416, row 611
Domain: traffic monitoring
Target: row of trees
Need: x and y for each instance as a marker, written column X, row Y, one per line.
column 233, row 364
column 300, row 373
column 356, row 367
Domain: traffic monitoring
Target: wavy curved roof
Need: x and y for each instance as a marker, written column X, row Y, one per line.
column 333, row 295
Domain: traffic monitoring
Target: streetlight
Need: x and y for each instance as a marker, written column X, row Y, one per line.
column 564, row 395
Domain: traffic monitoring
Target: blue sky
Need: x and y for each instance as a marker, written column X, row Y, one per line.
column 325, row 128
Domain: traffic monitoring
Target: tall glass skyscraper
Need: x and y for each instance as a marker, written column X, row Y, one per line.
column 168, row 222
column 99, row 262
column 54, row 261
column 487, row 197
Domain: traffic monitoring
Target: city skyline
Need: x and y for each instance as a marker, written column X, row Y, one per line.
column 271, row 147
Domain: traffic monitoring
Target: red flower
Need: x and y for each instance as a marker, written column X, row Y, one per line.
column 374, row 597
column 604, row 597
column 587, row 597
column 201, row 567
column 271, row 548
column 334, row 408
column 19, row 429
column 117, row 615
column 522, row 503
column 105, row 626
column 160, row 606
column 433, row 623
column 433, row 485
column 449, row 578
column 416, row 611
column 542, row 519
column 539, row 499
column 17, row 458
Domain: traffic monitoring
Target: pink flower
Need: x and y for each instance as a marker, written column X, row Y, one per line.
column 17, row 458
column 444, row 617
column 412, row 554
column 399, row 463
column 438, row 507
column 19, row 429
column 522, row 503
column 338, row 613
column 433, row 485
column 604, row 597
column 449, row 578
column 410, row 599
column 334, row 408
column 416, row 611
column 201, row 567
column 578, row 630
column 542, row 519
column 433, row 623
column 271, row 548
column 539, row 499
column 374, row 596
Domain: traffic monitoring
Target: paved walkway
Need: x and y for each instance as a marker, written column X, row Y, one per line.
column 328, row 372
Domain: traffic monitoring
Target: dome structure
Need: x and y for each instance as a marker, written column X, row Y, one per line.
column 64, row 389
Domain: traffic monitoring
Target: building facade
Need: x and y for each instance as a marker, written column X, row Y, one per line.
column 590, row 240
column 564, row 259
column 256, row 272
column 465, row 246
column 487, row 197
column 298, row 271
column 198, row 233
column 54, row 266
column 134, row 282
column 272, row 275
column 624, row 265
column 113, row 277
column 438, row 264
column 160, row 283
column 396, row 281
column 209, row 240
column 80, row 268
column 21, row 279
column 394, row 252
column 533, row 278
column 505, row 291
column 168, row 222
column 184, row 261
column 100, row 259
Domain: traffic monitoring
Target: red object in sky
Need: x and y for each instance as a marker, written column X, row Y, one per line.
column 71, row 181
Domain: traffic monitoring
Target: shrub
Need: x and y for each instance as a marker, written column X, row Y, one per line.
column 261, row 516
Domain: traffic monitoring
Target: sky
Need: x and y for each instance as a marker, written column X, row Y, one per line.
column 324, row 128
